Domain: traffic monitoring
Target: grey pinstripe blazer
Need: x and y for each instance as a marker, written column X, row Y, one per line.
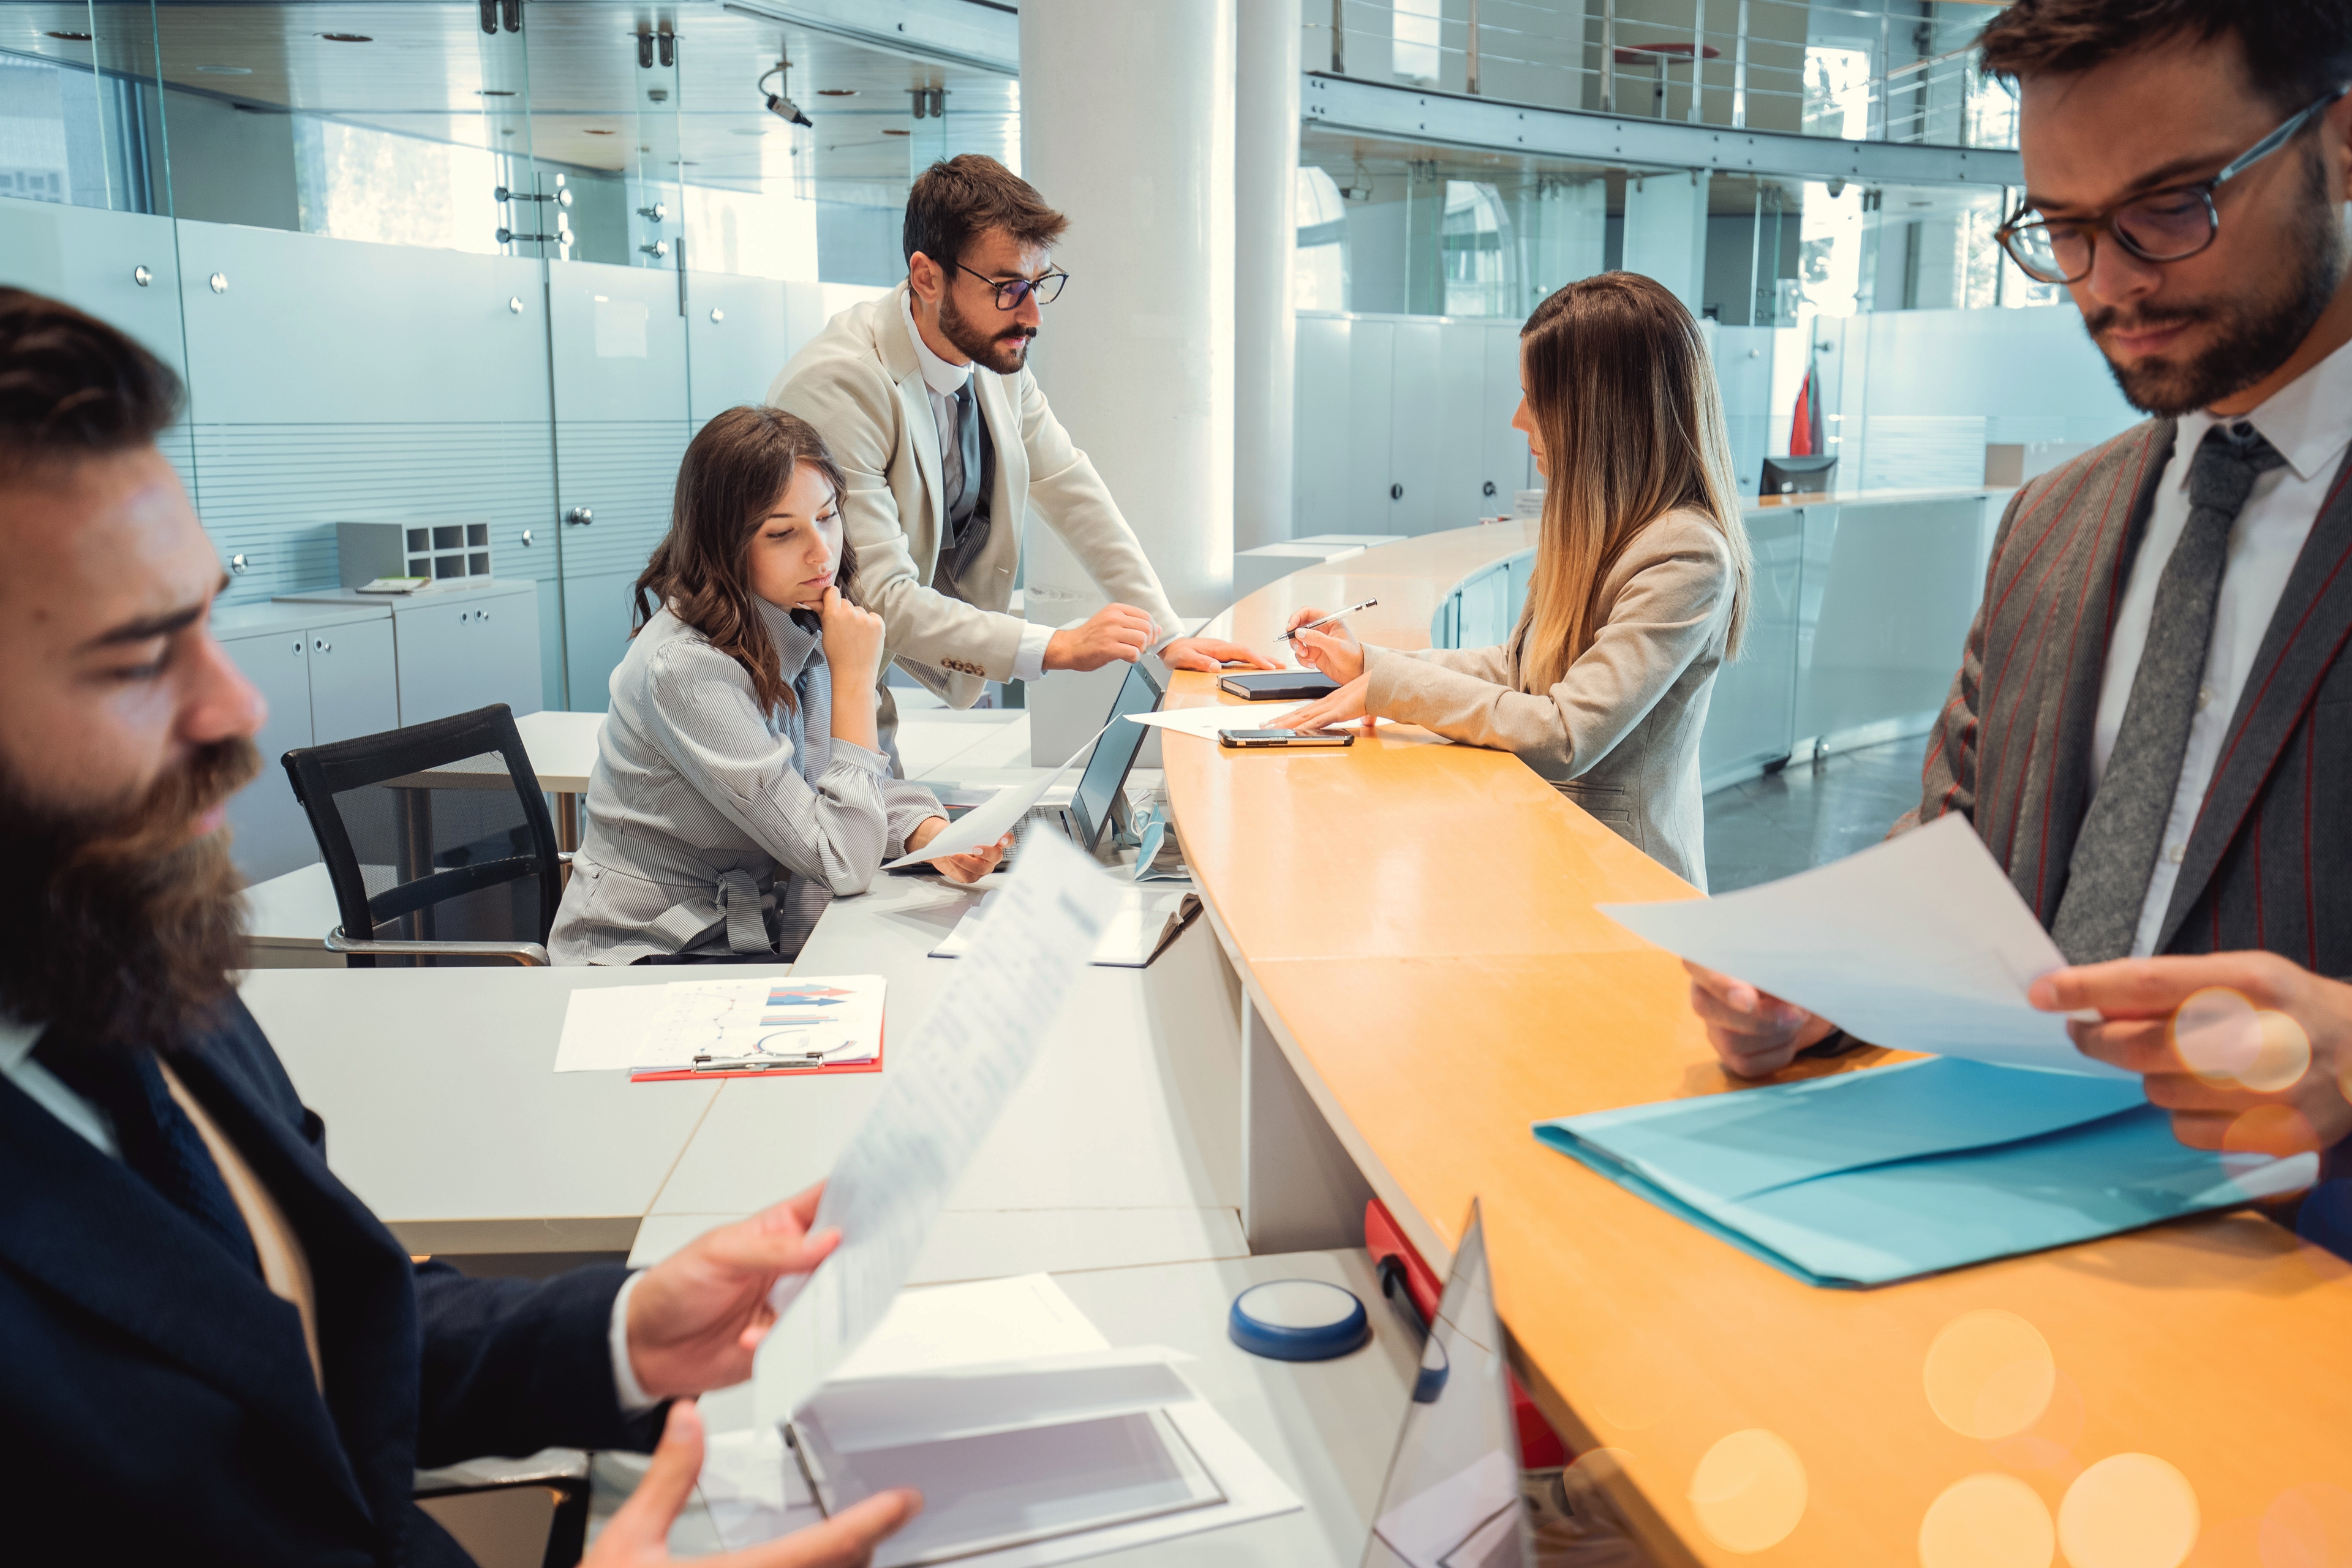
column 2269, row 862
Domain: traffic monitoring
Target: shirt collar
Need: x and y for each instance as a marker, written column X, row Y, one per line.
column 2309, row 419
column 942, row 377
column 794, row 643
column 17, row 1042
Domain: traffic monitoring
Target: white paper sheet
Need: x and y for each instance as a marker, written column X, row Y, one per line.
column 949, row 1079
column 619, row 1027
column 1206, row 721
column 1134, row 932
column 1920, row 944
column 984, row 824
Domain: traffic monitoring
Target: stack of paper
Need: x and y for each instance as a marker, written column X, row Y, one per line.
column 1870, row 1177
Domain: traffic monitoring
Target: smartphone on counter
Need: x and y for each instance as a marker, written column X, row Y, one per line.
column 1261, row 740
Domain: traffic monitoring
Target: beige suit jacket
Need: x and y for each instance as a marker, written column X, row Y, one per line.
column 859, row 383
column 1619, row 735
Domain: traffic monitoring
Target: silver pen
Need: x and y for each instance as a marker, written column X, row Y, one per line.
column 1317, row 625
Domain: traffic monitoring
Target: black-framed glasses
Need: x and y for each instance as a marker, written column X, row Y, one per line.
column 1012, row 290
column 2169, row 224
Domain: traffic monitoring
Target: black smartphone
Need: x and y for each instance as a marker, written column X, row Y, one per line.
column 1259, row 740
column 1277, row 685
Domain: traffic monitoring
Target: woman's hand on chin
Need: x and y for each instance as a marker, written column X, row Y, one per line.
column 853, row 640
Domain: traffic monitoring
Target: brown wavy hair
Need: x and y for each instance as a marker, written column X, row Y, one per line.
column 736, row 468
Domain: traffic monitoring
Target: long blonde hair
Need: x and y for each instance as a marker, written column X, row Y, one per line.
column 1624, row 398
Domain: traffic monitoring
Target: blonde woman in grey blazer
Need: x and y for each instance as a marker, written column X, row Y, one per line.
column 740, row 785
column 1639, row 588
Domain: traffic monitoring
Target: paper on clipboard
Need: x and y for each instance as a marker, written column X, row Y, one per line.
column 990, row 820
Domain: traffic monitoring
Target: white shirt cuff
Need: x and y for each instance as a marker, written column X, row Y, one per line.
column 1029, row 659
column 635, row 1400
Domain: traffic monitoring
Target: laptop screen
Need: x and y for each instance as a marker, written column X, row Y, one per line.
column 1105, row 772
column 1452, row 1497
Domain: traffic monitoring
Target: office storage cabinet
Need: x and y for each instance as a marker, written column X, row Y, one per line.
column 334, row 665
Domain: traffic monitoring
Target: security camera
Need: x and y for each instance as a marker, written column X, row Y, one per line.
column 781, row 107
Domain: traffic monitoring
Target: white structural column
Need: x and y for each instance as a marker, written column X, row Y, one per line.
column 1265, row 239
column 1127, row 125
column 1666, row 231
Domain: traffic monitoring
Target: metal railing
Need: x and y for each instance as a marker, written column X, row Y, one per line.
column 1842, row 71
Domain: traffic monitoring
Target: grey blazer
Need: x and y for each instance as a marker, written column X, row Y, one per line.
column 2269, row 862
column 714, row 825
column 1619, row 734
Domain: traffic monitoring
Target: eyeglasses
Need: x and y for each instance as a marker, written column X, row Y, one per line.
column 2170, row 225
column 1011, row 291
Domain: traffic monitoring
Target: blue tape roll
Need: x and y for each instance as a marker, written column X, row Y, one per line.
column 1298, row 1320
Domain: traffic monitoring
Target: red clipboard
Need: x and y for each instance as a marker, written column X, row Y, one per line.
column 682, row 1075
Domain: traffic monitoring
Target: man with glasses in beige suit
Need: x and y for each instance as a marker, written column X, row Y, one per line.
column 927, row 399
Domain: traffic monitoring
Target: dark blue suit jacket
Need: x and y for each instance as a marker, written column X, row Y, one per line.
column 158, row 1405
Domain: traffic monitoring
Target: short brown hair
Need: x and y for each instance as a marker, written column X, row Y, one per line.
column 72, row 387
column 2295, row 49
column 734, row 469
column 954, row 202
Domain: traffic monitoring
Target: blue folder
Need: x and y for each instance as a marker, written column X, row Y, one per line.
column 1869, row 1177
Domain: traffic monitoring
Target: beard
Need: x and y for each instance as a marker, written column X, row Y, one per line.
column 1005, row 352
column 2256, row 335
column 118, row 927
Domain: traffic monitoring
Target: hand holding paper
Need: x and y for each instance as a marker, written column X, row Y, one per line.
column 1918, row 944
column 984, row 824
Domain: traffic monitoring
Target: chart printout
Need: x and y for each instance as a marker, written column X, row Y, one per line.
column 944, row 1088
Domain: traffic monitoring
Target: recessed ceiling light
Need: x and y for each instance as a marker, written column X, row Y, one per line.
column 494, row 92
column 69, row 37
column 593, row 131
column 347, row 37
column 223, row 70
column 892, row 130
column 820, row 92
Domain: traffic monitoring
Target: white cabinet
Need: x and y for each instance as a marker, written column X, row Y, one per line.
column 327, row 674
column 455, row 650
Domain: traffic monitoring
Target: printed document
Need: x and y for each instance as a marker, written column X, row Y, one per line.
column 990, row 820
column 948, row 1081
column 609, row 1028
column 1920, row 944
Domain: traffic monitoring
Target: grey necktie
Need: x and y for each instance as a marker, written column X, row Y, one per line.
column 2107, row 883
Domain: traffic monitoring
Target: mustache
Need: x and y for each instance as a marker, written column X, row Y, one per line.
column 2112, row 319
column 1016, row 331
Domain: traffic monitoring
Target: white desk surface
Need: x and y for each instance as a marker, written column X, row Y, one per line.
column 445, row 1115
column 1123, row 1148
column 1326, row 1427
column 562, row 747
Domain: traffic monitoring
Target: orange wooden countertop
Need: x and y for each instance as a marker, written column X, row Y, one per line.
column 1415, row 920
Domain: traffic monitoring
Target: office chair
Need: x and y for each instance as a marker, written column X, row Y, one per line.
column 436, row 853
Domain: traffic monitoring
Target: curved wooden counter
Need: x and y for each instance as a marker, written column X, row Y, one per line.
column 1414, row 921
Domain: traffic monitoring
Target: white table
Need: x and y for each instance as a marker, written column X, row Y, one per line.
column 444, row 1113
column 562, row 750
column 1123, row 1148
column 1326, row 1427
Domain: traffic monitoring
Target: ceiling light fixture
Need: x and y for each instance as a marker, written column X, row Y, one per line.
column 593, row 131
column 836, row 92
column 494, row 92
column 347, row 37
column 69, row 38
column 893, row 131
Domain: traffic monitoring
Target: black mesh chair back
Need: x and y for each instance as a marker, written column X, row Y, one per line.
column 437, row 840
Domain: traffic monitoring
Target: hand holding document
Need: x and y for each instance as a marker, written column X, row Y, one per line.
column 1920, row 944
column 990, row 820
column 949, row 1080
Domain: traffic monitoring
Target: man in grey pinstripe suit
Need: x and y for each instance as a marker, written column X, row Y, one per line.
column 2151, row 729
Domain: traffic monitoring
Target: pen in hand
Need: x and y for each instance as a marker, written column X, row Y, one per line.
column 1292, row 634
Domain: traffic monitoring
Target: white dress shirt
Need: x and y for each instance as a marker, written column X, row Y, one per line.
column 2309, row 420
column 943, row 380
column 49, row 1091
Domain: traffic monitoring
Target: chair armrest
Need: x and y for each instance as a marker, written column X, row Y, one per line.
column 528, row 953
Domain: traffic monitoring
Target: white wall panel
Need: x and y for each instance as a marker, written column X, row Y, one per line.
column 731, row 360
column 1319, row 473
column 1371, row 363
